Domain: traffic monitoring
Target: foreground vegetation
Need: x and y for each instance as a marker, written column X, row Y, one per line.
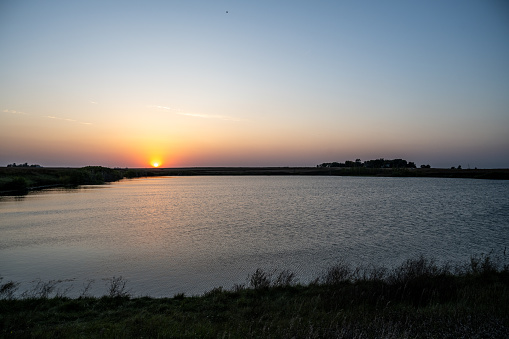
column 418, row 299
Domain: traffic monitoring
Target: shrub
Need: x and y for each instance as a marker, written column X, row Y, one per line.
column 117, row 287
column 16, row 184
column 129, row 174
column 79, row 177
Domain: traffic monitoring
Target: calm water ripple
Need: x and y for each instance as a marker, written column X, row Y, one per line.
column 189, row 234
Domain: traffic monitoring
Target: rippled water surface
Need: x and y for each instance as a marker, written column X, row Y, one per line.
column 169, row 235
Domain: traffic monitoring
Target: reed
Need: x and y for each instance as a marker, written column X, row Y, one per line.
column 418, row 298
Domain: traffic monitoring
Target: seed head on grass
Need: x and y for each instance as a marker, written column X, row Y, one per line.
column 260, row 279
column 285, row 278
column 8, row 289
column 263, row 280
column 41, row 290
column 86, row 287
column 485, row 264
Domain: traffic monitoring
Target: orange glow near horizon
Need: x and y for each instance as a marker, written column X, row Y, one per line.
column 156, row 160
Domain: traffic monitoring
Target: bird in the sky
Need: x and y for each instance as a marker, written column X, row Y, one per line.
column 226, row 12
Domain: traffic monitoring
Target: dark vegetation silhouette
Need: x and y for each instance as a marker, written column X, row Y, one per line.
column 19, row 180
column 377, row 163
column 23, row 165
column 419, row 298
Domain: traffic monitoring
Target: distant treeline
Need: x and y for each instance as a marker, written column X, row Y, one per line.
column 377, row 163
column 15, row 180
column 23, row 165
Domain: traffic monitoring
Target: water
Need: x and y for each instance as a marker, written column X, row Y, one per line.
column 170, row 235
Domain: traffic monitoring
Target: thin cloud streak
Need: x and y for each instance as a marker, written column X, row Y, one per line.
column 14, row 112
column 11, row 111
column 196, row 115
column 66, row 119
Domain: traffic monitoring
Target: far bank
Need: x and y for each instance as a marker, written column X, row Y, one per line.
column 19, row 180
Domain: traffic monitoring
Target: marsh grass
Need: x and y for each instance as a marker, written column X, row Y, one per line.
column 18, row 181
column 416, row 299
column 8, row 289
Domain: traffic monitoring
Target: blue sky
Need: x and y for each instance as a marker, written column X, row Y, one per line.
column 291, row 83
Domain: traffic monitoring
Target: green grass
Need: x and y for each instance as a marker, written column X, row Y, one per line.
column 417, row 299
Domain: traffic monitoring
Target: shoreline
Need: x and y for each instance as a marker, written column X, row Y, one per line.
column 20, row 180
column 415, row 299
column 502, row 174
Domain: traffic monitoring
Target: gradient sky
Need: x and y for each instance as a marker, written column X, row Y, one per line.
column 270, row 83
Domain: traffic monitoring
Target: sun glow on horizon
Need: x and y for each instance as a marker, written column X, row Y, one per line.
column 156, row 160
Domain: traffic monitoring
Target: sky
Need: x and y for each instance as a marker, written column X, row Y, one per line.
column 254, row 83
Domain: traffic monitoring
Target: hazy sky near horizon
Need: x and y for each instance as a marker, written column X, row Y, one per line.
column 270, row 83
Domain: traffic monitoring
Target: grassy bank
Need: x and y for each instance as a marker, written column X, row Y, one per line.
column 334, row 171
column 19, row 180
column 418, row 299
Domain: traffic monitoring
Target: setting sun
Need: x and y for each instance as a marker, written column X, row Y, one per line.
column 155, row 161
